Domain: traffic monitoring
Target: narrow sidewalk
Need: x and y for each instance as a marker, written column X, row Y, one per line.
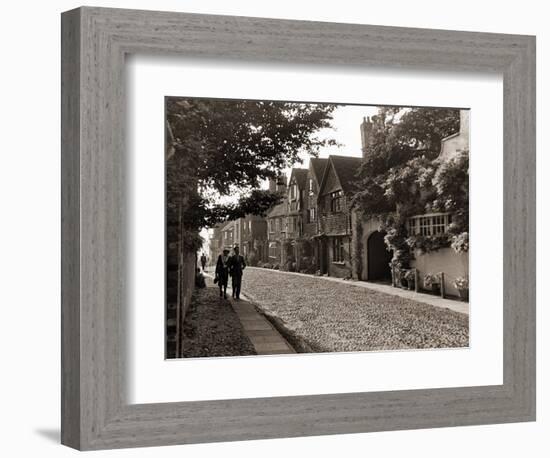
column 265, row 338
column 263, row 335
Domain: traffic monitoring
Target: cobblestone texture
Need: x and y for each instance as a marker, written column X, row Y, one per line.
column 328, row 316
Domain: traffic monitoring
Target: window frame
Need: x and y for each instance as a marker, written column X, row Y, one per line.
column 338, row 250
column 336, row 201
column 429, row 225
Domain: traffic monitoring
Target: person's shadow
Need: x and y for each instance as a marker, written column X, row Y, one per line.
column 53, row 435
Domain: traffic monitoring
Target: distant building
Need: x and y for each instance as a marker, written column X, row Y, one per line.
column 295, row 217
column 230, row 235
column 215, row 245
column 276, row 224
column 253, row 238
column 295, row 203
column 314, row 176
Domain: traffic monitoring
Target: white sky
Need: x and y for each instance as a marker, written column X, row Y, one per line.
column 346, row 122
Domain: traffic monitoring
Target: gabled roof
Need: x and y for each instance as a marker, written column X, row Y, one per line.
column 278, row 210
column 301, row 177
column 228, row 226
column 317, row 166
column 345, row 168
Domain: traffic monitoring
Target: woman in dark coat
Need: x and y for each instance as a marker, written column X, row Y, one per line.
column 222, row 272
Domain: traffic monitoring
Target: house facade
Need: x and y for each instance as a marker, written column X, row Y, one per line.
column 334, row 229
column 311, row 218
column 215, row 245
column 295, row 218
column 295, row 203
column 230, row 235
column 276, row 224
column 253, row 238
column 248, row 233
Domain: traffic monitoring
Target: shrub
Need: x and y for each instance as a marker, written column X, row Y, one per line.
column 430, row 279
column 290, row 266
column 308, row 265
column 253, row 259
column 409, row 275
column 461, row 283
column 460, row 243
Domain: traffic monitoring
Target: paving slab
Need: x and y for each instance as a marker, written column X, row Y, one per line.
column 265, row 338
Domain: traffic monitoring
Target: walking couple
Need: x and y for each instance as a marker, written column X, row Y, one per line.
column 230, row 266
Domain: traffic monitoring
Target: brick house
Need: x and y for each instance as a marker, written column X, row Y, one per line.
column 276, row 223
column 295, row 216
column 253, row 238
column 295, row 203
column 215, row 245
column 334, row 236
column 230, row 235
column 314, row 177
column 311, row 219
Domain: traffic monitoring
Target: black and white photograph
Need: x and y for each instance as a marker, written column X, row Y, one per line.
column 275, row 229
column 300, row 227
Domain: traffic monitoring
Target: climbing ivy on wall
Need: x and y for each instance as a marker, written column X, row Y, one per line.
column 402, row 177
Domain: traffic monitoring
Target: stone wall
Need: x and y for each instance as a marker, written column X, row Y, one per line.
column 181, row 263
column 369, row 226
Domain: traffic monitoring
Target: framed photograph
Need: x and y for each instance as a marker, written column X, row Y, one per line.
column 277, row 228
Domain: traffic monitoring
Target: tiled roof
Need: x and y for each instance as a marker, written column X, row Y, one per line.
column 227, row 226
column 301, row 177
column 318, row 167
column 278, row 210
column 346, row 169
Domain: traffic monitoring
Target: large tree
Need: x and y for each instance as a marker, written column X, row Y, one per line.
column 221, row 149
column 401, row 144
column 402, row 177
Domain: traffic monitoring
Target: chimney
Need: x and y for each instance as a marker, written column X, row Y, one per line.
column 366, row 133
column 272, row 185
column 278, row 184
column 281, row 183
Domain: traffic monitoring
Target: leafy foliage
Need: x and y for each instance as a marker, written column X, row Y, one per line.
column 451, row 189
column 401, row 177
column 220, row 148
column 401, row 147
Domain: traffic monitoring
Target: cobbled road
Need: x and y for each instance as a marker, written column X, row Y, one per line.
column 328, row 316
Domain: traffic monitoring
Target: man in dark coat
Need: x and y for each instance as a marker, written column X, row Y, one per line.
column 236, row 267
column 203, row 261
column 222, row 272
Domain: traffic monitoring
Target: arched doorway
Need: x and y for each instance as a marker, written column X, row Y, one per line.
column 378, row 258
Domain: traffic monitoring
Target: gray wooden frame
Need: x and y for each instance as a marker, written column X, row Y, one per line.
column 95, row 413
